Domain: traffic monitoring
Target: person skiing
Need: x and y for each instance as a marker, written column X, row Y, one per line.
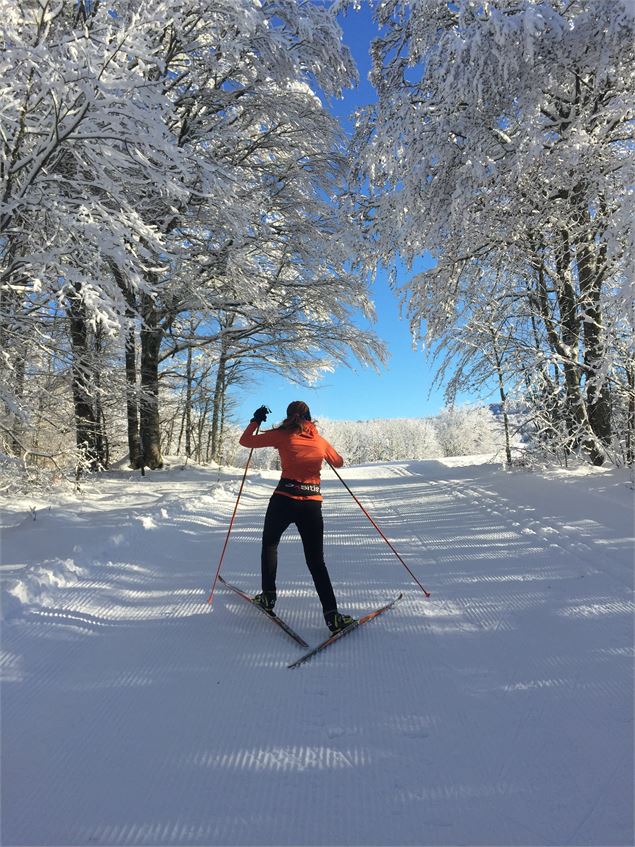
column 297, row 500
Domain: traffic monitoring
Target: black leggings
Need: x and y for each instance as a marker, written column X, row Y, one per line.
column 307, row 516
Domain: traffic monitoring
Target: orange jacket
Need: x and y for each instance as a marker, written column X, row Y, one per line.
column 301, row 454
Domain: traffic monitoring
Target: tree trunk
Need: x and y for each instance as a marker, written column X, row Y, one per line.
column 13, row 344
column 132, row 394
column 630, row 421
column 188, row 405
column 101, row 435
column 181, row 431
column 219, row 390
column 86, row 423
column 597, row 392
column 503, row 395
column 566, row 347
column 200, row 430
column 221, row 431
column 169, row 434
column 150, row 433
column 19, row 371
column 208, row 446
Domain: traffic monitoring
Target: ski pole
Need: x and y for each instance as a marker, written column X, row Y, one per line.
column 427, row 593
column 231, row 523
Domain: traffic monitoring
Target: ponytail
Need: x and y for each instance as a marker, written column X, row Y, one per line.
column 298, row 413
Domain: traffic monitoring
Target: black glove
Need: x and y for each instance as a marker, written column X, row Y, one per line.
column 260, row 415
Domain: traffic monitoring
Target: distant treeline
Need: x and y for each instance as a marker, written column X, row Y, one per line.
column 459, row 431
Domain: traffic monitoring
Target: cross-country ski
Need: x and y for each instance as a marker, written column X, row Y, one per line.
column 272, row 616
column 342, row 632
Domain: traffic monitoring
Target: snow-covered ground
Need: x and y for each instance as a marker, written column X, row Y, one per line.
column 499, row 711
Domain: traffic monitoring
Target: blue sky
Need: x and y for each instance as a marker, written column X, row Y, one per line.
column 401, row 389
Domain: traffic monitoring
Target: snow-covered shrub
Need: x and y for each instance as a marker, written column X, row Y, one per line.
column 468, row 430
column 359, row 442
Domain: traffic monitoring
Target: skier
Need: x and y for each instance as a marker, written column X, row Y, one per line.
column 297, row 500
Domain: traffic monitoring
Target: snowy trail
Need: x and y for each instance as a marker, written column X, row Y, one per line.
column 498, row 712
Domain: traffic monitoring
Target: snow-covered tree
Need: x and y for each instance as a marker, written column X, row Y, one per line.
column 502, row 137
column 170, row 180
column 467, row 430
column 84, row 147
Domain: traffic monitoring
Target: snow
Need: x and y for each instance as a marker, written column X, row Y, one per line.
column 498, row 712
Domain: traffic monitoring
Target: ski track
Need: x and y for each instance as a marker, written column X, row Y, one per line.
column 499, row 711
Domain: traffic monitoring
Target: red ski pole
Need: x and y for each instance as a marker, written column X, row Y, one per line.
column 427, row 593
column 231, row 523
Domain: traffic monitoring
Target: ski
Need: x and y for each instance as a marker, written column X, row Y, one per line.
column 337, row 635
column 272, row 617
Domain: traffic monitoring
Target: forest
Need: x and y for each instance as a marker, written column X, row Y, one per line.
column 181, row 212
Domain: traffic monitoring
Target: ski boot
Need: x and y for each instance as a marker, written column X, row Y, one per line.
column 337, row 622
column 266, row 600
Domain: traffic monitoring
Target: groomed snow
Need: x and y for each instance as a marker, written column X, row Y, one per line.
column 499, row 711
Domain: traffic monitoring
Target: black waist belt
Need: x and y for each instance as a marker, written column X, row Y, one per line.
column 298, row 489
